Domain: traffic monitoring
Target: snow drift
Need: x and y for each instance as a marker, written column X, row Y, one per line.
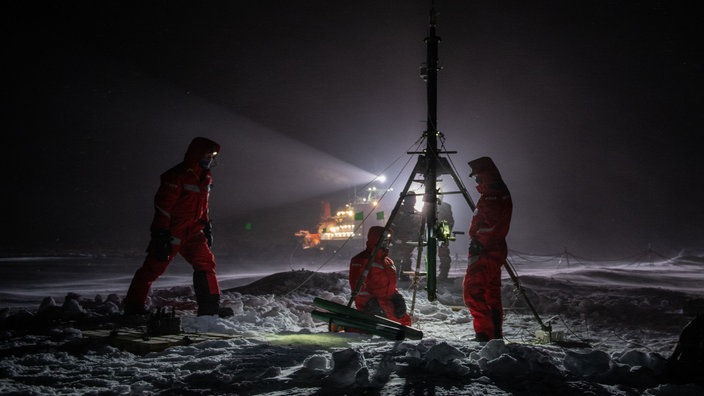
column 629, row 314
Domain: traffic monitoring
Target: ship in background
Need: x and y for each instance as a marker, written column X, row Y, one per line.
column 348, row 225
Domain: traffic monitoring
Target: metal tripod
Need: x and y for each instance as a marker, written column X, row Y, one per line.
column 431, row 165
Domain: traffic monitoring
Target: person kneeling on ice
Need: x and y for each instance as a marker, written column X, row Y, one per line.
column 487, row 250
column 377, row 294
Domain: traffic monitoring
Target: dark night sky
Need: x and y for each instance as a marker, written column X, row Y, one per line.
column 592, row 111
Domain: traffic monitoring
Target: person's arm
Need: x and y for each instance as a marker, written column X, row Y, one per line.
column 164, row 201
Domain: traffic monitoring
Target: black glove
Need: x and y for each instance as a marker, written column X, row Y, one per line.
column 399, row 305
column 160, row 245
column 372, row 307
column 475, row 248
column 208, row 231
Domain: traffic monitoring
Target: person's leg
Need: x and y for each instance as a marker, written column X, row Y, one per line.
column 141, row 283
column 474, row 293
column 205, row 282
column 493, row 298
column 445, row 261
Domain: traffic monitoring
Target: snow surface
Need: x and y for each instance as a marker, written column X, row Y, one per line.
column 630, row 313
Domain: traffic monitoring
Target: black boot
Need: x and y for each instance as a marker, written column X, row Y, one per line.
column 481, row 337
column 133, row 309
column 208, row 304
column 226, row 312
column 497, row 319
column 134, row 315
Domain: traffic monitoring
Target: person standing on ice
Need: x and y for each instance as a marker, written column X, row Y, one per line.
column 487, row 250
column 406, row 230
column 378, row 294
column 181, row 224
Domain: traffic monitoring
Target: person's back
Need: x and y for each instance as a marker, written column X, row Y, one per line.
column 407, row 232
column 406, row 225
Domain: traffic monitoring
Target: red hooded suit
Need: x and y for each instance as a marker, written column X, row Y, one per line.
column 378, row 294
column 181, row 209
column 488, row 251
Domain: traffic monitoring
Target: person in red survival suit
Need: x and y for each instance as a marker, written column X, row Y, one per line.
column 487, row 250
column 182, row 225
column 378, row 294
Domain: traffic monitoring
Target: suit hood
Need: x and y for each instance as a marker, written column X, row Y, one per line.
column 489, row 179
column 373, row 236
column 198, row 148
column 484, row 166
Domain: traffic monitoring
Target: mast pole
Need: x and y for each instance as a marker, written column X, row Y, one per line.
column 430, row 182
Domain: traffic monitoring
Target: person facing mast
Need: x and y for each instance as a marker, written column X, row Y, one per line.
column 487, row 250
